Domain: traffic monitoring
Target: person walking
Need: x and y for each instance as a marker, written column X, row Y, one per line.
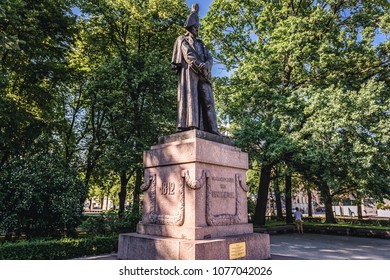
column 298, row 220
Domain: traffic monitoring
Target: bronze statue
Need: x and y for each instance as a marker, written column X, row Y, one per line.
column 193, row 62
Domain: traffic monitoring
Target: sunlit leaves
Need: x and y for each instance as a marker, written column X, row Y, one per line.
column 309, row 86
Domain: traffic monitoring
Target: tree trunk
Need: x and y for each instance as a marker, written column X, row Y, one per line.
column 102, row 202
column 8, row 236
column 107, row 200
column 123, row 193
column 88, row 174
column 327, row 198
column 278, row 201
column 289, row 217
column 309, row 203
column 271, row 204
column 262, row 195
column 341, row 208
column 137, row 191
column 359, row 209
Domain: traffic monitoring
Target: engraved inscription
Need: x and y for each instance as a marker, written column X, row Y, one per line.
column 237, row 250
column 227, row 191
column 168, row 189
column 223, row 187
column 223, row 179
column 221, row 194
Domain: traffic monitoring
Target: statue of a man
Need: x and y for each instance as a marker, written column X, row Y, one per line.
column 193, row 62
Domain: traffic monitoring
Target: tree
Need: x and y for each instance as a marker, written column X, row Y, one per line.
column 129, row 80
column 34, row 37
column 286, row 56
column 346, row 150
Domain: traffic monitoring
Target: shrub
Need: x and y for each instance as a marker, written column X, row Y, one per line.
column 312, row 219
column 110, row 222
column 58, row 249
column 364, row 222
column 40, row 196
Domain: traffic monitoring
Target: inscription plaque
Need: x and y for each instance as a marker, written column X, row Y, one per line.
column 222, row 191
column 224, row 200
column 237, row 250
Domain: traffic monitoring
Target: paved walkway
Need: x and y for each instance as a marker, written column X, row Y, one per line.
column 293, row 246
column 328, row 247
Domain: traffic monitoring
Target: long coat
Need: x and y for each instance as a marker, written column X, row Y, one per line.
column 188, row 53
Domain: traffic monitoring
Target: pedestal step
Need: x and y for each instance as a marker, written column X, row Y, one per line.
column 194, row 233
column 134, row 246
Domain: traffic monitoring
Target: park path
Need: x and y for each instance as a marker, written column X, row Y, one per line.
column 328, row 247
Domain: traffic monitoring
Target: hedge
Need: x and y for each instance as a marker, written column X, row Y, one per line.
column 368, row 222
column 312, row 219
column 352, row 221
column 59, row 249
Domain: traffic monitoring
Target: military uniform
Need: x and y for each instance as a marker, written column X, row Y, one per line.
column 195, row 96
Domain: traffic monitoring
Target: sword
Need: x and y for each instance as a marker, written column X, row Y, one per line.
column 204, row 73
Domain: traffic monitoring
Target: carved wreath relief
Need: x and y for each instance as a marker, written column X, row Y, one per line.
column 217, row 193
column 165, row 189
column 213, row 193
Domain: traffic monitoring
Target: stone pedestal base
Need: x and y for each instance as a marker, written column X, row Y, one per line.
column 134, row 246
column 194, row 203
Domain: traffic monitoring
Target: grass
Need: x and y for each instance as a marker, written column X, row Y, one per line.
column 341, row 223
column 346, row 225
column 274, row 223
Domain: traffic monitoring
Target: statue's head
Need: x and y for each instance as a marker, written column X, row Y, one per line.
column 192, row 23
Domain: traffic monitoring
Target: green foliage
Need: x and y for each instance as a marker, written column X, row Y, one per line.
column 274, row 223
column 40, row 195
column 382, row 206
column 122, row 57
column 373, row 223
column 251, row 208
column 342, row 223
column 312, row 219
column 309, row 93
column 58, row 249
column 111, row 222
column 345, row 139
column 309, row 88
column 34, row 38
column 99, row 84
column 369, row 222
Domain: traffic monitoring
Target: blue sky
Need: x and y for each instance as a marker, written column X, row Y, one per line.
column 218, row 70
column 203, row 6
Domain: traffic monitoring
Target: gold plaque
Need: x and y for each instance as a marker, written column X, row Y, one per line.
column 237, row 250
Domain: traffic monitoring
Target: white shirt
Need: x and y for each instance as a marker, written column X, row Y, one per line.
column 298, row 215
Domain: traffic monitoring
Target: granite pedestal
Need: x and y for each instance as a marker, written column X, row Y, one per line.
column 195, row 203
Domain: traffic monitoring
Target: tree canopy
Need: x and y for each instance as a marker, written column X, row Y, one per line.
column 309, row 89
column 98, row 84
column 83, row 94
